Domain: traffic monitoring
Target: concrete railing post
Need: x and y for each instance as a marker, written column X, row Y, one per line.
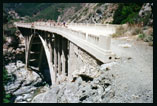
column 104, row 42
column 86, row 36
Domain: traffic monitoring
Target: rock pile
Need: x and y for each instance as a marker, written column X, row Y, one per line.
column 83, row 89
column 23, row 83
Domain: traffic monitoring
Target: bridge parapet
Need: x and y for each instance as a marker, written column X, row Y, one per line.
column 96, row 29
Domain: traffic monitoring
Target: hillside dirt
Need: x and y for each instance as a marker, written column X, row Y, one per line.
column 133, row 72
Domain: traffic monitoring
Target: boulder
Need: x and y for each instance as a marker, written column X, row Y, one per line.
column 51, row 95
column 39, row 98
column 24, row 90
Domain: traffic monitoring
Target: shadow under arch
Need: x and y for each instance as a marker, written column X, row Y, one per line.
column 37, row 47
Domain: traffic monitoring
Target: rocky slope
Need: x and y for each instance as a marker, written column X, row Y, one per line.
column 78, row 12
column 95, row 13
column 82, row 90
column 23, row 83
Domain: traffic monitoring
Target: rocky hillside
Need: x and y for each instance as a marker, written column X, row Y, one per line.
column 117, row 13
column 94, row 13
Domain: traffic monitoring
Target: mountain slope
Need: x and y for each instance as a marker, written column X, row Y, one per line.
column 116, row 13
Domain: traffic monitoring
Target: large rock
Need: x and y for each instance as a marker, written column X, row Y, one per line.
column 24, row 90
column 51, row 95
column 86, row 71
column 48, row 97
column 23, row 82
column 146, row 13
column 39, row 98
column 28, row 77
column 70, row 93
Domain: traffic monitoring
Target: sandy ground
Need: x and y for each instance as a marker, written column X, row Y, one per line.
column 133, row 71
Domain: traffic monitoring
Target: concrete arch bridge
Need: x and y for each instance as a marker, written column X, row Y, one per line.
column 56, row 44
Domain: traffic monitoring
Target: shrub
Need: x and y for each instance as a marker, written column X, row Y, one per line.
column 126, row 12
column 136, row 30
column 119, row 31
column 141, row 36
column 148, row 39
column 150, row 43
column 6, row 78
column 6, row 98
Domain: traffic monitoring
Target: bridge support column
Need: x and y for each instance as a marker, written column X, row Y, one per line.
column 55, row 58
column 71, row 63
column 26, row 46
column 53, row 74
column 59, row 55
column 63, row 58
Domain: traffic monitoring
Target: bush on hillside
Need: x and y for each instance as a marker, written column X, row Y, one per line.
column 6, row 78
column 126, row 12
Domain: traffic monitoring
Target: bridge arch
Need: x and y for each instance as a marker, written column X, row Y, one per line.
column 37, row 45
column 56, row 52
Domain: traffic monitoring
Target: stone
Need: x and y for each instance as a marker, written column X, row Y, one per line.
column 146, row 13
column 63, row 100
column 51, row 95
column 39, row 98
column 108, row 88
column 100, row 90
column 70, row 92
column 27, row 96
column 23, row 90
column 19, row 64
column 11, row 67
column 125, row 45
column 12, row 87
column 44, row 89
column 28, row 99
column 10, row 49
column 18, row 99
column 78, row 81
column 107, row 96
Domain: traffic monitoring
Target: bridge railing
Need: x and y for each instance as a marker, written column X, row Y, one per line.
column 99, row 40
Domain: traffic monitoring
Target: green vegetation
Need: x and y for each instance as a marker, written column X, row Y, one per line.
column 141, row 36
column 126, row 12
column 6, row 78
column 53, row 11
column 49, row 13
column 6, row 18
column 26, row 8
column 8, row 27
column 40, row 10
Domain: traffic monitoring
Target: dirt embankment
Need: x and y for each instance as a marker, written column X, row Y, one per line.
column 133, row 72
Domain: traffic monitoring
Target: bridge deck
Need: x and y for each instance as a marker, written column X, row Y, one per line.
column 93, row 39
